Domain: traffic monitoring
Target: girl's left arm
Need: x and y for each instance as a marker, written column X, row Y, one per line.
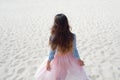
column 50, row 58
column 51, row 52
column 51, row 55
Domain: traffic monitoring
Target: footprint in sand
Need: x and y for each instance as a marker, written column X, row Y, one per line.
column 21, row 70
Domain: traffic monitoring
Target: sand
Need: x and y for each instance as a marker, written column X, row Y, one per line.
column 25, row 29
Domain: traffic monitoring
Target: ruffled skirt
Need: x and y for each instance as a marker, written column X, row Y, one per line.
column 63, row 67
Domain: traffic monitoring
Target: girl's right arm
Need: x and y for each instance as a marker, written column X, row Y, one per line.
column 75, row 52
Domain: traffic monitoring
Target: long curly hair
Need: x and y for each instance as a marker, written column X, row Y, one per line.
column 61, row 37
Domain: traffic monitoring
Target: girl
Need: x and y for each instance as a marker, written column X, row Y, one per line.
column 64, row 62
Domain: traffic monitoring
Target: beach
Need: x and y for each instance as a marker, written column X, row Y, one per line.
column 25, row 29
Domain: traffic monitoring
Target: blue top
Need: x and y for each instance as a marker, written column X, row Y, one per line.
column 75, row 51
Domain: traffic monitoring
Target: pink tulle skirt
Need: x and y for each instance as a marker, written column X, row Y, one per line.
column 63, row 67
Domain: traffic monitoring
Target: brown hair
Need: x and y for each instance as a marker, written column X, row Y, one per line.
column 61, row 36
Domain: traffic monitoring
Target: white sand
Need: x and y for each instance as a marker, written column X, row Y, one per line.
column 25, row 29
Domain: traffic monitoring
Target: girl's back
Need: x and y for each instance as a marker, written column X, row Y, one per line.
column 61, row 36
column 64, row 62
